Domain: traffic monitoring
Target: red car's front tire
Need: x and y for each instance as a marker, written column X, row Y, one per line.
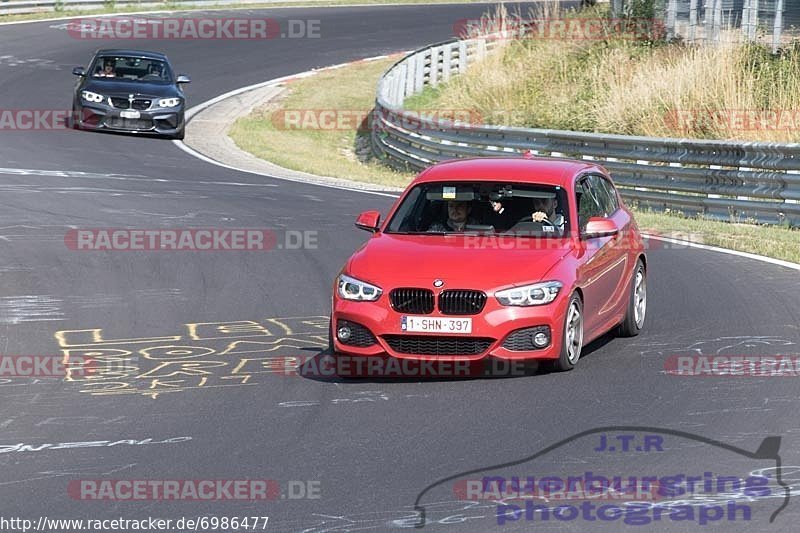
column 572, row 337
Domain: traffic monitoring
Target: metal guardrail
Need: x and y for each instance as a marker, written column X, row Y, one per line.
column 720, row 179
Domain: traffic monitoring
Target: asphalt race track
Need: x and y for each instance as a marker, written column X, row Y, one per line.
column 366, row 451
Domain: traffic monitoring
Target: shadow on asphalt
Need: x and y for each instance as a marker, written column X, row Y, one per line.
column 324, row 367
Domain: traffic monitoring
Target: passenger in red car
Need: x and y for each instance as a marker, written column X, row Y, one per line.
column 457, row 217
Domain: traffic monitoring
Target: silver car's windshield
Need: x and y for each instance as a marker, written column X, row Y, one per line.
column 131, row 69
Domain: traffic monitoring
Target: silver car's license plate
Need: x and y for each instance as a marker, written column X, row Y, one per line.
column 130, row 114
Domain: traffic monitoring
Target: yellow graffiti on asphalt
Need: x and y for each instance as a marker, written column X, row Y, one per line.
column 205, row 355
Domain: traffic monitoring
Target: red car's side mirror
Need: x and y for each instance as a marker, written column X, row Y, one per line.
column 600, row 227
column 369, row 220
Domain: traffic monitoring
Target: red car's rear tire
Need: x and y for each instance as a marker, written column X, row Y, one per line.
column 637, row 304
column 572, row 337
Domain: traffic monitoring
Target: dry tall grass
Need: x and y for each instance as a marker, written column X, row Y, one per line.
column 635, row 88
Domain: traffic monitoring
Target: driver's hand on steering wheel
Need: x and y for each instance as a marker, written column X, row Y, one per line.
column 539, row 216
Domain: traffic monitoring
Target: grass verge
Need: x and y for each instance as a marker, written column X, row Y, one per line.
column 778, row 242
column 318, row 146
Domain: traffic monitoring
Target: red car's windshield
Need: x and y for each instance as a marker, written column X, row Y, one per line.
column 483, row 207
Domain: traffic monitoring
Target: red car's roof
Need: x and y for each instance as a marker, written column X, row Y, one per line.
column 519, row 169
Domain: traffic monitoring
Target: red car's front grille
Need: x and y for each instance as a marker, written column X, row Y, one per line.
column 451, row 301
column 437, row 345
column 461, row 302
column 418, row 301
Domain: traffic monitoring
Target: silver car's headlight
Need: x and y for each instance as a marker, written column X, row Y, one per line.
column 354, row 289
column 527, row 295
column 169, row 102
column 89, row 96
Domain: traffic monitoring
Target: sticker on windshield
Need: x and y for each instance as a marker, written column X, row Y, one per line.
column 449, row 193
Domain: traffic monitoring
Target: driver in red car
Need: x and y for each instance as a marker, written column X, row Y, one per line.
column 544, row 209
column 457, row 218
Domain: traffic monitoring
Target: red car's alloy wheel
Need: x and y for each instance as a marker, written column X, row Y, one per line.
column 573, row 335
column 633, row 322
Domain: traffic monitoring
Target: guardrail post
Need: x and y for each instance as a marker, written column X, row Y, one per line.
column 447, row 61
column 746, row 19
column 480, row 51
column 777, row 30
column 411, row 72
column 672, row 11
column 402, row 77
column 751, row 28
column 692, row 37
column 716, row 23
column 616, row 8
column 462, row 57
column 427, row 61
column 419, row 75
column 398, row 89
column 434, row 74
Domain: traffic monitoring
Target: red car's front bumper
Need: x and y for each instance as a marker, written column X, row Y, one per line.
column 493, row 324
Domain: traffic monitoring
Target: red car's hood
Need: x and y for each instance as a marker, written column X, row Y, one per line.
column 461, row 261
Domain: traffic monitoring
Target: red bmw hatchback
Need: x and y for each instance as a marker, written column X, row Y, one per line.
column 515, row 259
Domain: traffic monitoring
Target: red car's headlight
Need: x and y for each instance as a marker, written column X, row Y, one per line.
column 354, row 289
column 527, row 295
